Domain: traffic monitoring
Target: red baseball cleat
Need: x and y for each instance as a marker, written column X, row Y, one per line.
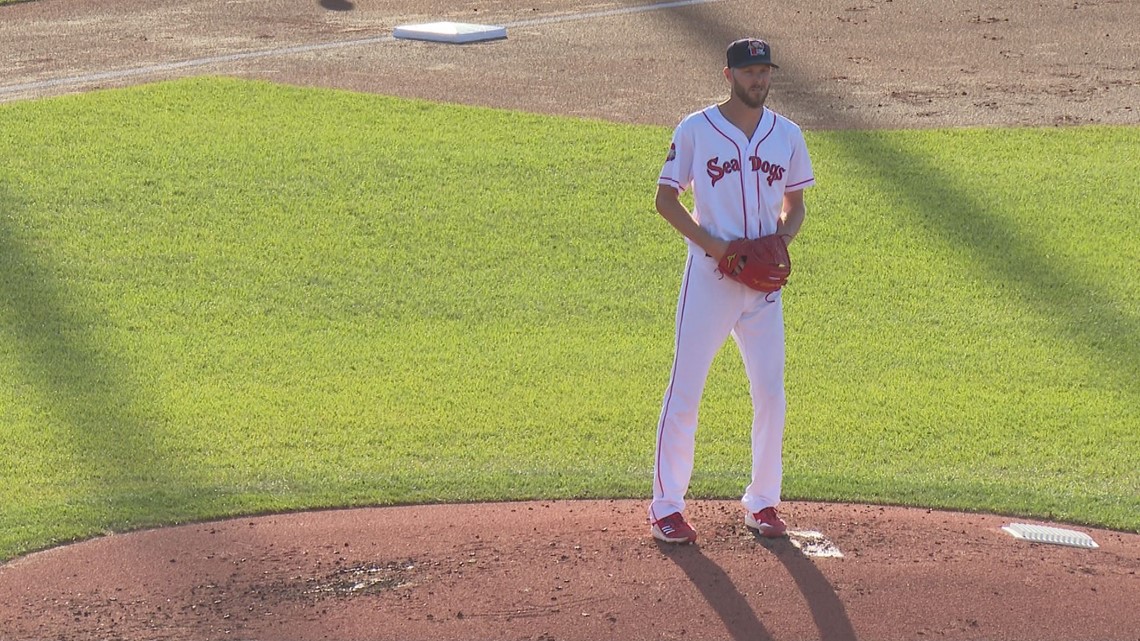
column 767, row 523
column 673, row 529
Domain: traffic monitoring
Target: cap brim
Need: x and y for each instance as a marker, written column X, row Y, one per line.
column 749, row 64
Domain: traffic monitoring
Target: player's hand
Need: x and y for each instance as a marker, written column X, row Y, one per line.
column 718, row 249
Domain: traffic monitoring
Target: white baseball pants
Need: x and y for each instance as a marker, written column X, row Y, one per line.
column 710, row 307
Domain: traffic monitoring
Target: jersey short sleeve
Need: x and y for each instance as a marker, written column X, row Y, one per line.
column 800, row 174
column 677, row 171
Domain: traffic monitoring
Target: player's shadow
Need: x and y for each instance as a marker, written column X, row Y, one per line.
column 714, row 584
column 718, row 589
column 827, row 610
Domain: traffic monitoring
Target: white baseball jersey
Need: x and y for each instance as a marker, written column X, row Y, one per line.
column 738, row 192
column 738, row 184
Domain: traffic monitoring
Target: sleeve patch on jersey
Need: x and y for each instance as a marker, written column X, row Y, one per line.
column 672, row 153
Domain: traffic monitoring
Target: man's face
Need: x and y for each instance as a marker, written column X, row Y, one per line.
column 750, row 84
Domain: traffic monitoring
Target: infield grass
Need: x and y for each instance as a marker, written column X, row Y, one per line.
column 222, row 297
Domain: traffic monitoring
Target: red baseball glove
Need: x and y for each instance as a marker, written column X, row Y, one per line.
column 760, row 263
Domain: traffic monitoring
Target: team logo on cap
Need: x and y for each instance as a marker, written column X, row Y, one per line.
column 757, row 48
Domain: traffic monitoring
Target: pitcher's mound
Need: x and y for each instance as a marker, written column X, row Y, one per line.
column 577, row 570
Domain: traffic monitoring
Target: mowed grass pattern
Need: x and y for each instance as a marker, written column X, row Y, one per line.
column 224, row 297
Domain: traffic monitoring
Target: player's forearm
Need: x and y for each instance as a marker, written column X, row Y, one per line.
column 791, row 220
column 677, row 215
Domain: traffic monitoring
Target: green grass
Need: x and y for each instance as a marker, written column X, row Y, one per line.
column 221, row 297
column 991, row 335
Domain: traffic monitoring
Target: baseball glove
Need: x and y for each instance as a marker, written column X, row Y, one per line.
column 760, row 263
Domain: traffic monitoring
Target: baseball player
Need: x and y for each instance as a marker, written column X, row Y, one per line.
column 747, row 167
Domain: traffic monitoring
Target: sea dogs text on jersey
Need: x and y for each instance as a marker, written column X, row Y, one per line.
column 718, row 170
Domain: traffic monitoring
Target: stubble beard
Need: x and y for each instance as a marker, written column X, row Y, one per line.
column 743, row 95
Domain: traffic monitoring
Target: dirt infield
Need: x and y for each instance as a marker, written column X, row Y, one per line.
column 588, row 570
column 844, row 63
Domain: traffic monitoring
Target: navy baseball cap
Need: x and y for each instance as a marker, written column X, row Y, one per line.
column 750, row 51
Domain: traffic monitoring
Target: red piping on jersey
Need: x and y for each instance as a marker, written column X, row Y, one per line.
column 802, row 182
column 672, row 379
column 756, row 152
column 743, row 203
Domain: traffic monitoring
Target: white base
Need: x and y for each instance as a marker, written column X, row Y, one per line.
column 1055, row 535
column 453, row 32
column 812, row 543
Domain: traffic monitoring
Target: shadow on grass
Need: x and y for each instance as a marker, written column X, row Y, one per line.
column 109, row 458
column 993, row 248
